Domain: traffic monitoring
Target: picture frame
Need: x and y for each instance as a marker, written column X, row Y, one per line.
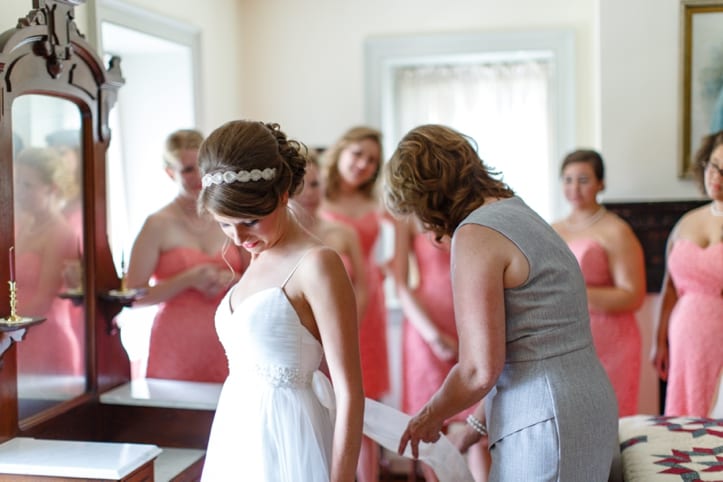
column 702, row 76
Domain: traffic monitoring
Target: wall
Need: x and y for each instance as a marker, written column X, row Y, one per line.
column 639, row 94
column 309, row 76
column 301, row 64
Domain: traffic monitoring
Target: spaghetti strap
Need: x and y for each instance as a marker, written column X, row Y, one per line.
column 293, row 270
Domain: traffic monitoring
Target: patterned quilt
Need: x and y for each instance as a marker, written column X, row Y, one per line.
column 657, row 448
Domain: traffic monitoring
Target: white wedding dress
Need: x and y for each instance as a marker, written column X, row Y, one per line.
column 270, row 423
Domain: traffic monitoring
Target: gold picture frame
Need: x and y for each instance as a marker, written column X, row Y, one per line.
column 702, row 75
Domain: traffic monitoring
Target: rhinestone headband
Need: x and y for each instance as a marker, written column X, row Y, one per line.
column 227, row 177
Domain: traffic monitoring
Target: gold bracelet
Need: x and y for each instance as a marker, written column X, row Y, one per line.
column 478, row 426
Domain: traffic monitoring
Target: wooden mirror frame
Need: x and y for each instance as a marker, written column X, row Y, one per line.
column 46, row 54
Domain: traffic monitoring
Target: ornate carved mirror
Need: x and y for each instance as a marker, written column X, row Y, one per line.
column 55, row 96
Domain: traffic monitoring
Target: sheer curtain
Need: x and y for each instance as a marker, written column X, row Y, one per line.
column 504, row 106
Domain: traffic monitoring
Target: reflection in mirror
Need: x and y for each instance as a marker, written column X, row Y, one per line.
column 49, row 246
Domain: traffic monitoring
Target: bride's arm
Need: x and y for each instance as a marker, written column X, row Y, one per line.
column 331, row 297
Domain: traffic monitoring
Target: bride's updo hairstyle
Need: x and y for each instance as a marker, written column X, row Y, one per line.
column 436, row 175
column 246, row 167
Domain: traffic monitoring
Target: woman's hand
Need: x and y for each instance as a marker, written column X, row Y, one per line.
column 422, row 427
column 208, row 279
column 660, row 360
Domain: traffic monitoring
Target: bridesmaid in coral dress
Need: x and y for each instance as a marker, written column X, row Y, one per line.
column 184, row 261
column 338, row 236
column 45, row 242
column 612, row 263
column 353, row 165
column 423, row 279
column 690, row 323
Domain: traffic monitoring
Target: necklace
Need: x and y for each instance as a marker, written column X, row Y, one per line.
column 715, row 211
column 586, row 223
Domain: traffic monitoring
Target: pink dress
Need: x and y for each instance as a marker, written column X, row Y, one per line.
column 184, row 344
column 695, row 330
column 423, row 372
column 616, row 335
column 54, row 346
column 373, row 326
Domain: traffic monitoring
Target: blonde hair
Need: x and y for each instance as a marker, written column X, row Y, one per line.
column 178, row 141
column 332, row 155
column 436, row 174
column 45, row 161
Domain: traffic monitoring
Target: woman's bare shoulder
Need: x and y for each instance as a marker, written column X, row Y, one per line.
column 162, row 218
column 616, row 225
column 320, row 261
column 693, row 221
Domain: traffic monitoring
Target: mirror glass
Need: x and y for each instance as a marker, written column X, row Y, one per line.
column 47, row 168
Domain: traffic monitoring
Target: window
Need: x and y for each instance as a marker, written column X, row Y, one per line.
column 511, row 92
column 160, row 95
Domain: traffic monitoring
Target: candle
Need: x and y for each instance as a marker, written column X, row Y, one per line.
column 11, row 259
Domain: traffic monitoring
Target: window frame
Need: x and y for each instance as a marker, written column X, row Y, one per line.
column 383, row 55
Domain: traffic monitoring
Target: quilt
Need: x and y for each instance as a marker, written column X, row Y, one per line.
column 659, row 448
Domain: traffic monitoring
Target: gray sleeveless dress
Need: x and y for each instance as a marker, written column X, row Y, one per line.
column 552, row 414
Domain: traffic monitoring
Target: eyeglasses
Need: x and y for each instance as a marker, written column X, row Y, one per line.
column 710, row 167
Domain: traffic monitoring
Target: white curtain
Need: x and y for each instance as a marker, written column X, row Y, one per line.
column 503, row 106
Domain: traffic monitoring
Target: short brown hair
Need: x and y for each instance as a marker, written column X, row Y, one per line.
column 436, row 174
column 587, row 156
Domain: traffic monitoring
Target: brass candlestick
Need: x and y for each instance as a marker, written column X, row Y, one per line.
column 15, row 321
column 124, row 282
column 124, row 275
column 14, row 317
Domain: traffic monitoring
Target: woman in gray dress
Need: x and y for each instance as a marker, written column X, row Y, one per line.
column 521, row 312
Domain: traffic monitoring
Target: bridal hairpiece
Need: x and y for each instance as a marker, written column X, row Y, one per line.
column 227, row 177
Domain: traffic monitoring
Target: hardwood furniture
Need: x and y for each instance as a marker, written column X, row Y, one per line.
column 46, row 60
column 51, row 78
